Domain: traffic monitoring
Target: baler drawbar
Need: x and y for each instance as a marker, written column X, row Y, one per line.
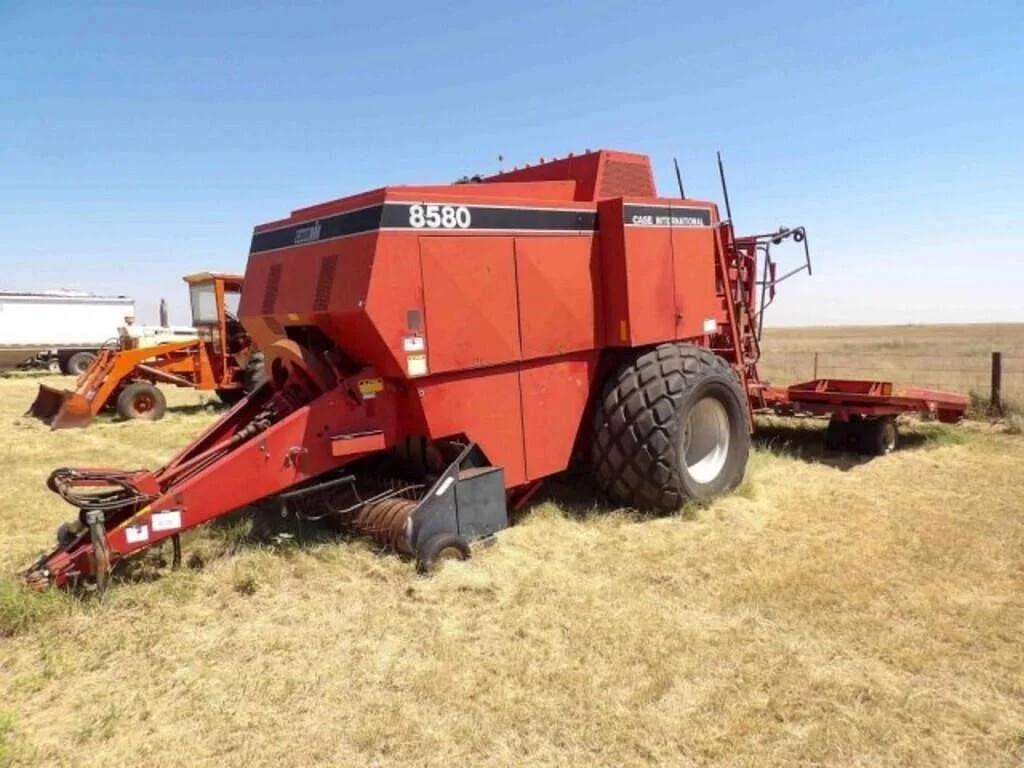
column 434, row 352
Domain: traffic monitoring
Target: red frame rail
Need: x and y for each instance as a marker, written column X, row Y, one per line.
column 843, row 398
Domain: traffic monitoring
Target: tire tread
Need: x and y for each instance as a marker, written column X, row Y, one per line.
column 634, row 445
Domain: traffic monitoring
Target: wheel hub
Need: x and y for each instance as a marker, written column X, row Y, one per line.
column 706, row 440
column 888, row 437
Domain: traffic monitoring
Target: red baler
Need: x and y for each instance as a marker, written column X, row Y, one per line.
column 434, row 352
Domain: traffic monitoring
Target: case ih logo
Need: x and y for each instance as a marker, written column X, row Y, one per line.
column 307, row 234
column 664, row 216
column 667, row 221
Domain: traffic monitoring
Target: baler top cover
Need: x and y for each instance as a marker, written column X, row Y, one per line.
column 427, row 279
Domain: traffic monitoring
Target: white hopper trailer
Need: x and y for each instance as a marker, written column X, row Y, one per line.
column 65, row 328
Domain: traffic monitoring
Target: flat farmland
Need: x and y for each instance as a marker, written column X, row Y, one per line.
column 955, row 357
column 833, row 611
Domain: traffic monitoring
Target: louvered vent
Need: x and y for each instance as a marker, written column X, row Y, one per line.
column 620, row 178
column 273, row 286
column 325, row 281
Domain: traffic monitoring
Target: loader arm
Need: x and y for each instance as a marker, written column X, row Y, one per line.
column 112, row 368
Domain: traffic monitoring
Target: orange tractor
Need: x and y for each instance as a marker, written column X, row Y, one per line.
column 219, row 356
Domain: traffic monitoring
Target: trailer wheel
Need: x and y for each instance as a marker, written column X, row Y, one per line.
column 141, row 400
column 837, row 435
column 79, row 363
column 877, row 437
column 443, row 546
column 671, row 427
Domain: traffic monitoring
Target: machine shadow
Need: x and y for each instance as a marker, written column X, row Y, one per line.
column 573, row 492
column 807, row 443
column 258, row 526
column 213, row 406
column 577, row 496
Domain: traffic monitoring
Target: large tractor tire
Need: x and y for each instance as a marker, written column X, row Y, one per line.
column 230, row 396
column 141, row 400
column 78, row 363
column 878, row 436
column 253, row 375
column 671, row 427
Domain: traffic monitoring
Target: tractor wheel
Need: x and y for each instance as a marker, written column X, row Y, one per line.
column 255, row 374
column 443, row 546
column 671, row 427
column 141, row 400
column 877, row 437
column 79, row 363
column 68, row 532
column 230, row 397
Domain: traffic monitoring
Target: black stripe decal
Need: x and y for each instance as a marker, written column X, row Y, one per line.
column 665, row 216
column 419, row 216
column 403, row 215
column 339, row 225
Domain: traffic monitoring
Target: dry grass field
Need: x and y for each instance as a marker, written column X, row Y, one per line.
column 956, row 357
column 833, row 611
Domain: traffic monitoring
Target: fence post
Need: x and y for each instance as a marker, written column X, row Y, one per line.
column 815, row 376
column 995, row 401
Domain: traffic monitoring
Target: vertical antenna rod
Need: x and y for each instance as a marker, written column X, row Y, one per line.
column 725, row 189
column 679, row 177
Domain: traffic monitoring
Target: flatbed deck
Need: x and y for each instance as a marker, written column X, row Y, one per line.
column 843, row 399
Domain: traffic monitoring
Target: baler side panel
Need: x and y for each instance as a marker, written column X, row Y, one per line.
column 555, row 396
column 558, row 281
column 315, row 284
column 395, row 310
column 284, row 281
column 696, row 299
column 650, row 285
column 614, row 301
column 485, row 405
column 472, row 312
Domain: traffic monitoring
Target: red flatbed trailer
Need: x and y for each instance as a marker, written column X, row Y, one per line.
column 861, row 413
column 845, row 398
column 434, row 352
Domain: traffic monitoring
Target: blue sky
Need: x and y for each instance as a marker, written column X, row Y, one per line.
column 140, row 142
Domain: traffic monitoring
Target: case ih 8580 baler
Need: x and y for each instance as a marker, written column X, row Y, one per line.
column 434, row 352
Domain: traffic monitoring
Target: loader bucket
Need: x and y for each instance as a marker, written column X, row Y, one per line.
column 60, row 409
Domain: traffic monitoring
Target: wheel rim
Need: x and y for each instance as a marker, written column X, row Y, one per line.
column 706, row 440
column 450, row 553
column 888, row 437
column 143, row 404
